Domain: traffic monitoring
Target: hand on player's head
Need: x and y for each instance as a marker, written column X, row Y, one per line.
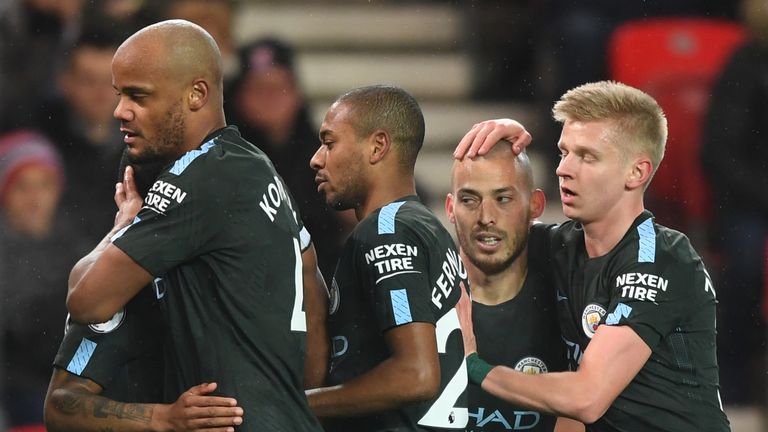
column 484, row 135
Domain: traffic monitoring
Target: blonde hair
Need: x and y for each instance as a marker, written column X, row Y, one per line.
column 640, row 124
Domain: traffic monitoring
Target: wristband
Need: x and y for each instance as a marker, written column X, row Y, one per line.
column 477, row 368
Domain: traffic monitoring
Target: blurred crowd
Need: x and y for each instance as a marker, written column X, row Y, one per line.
column 60, row 145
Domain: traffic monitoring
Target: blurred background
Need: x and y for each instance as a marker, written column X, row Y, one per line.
column 706, row 62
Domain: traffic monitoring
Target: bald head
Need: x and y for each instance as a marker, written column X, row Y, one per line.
column 168, row 76
column 501, row 154
column 177, row 49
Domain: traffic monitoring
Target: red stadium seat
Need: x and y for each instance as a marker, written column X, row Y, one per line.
column 28, row 428
column 676, row 60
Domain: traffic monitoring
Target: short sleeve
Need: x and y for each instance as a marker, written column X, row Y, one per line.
column 95, row 351
column 394, row 264
column 652, row 297
column 99, row 351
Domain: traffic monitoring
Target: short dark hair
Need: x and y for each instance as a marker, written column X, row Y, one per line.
column 97, row 36
column 392, row 109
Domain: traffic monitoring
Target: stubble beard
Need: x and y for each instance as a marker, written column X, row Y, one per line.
column 351, row 196
column 493, row 264
column 170, row 138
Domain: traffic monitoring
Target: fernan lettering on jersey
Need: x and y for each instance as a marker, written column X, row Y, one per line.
column 161, row 194
column 452, row 269
column 641, row 286
column 392, row 259
column 273, row 198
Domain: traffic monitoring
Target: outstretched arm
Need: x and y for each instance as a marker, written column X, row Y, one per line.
column 104, row 280
column 484, row 135
column 73, row 404
column 613, row 358
column 316, row 307
column 410, row 374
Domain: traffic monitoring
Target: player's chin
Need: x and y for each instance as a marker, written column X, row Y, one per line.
column 489, row 263
column 570, row 211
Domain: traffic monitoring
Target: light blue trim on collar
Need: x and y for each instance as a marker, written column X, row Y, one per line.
column 180, row 165
column 387, row 217
column 647, row 242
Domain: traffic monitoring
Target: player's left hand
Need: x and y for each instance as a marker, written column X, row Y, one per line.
column 464, row 309
column 127, row 198
column 484, row 135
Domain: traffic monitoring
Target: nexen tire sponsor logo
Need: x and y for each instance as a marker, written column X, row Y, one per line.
column 161, row 194
column 392, row 259
column 641, row 286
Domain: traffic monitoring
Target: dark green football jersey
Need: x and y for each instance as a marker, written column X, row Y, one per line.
column 654, row 282
column 399, row 266
column 523, row 334
column 123, row 355
column 219, row 228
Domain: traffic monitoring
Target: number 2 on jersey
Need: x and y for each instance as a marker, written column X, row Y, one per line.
column 443, row 413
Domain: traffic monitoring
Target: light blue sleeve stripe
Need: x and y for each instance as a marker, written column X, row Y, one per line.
column 647, row 250
column 400, row 306
column 82, row 357
column 622, row 311
column 387, row 217
column 304, row 239
column 124, row 229
column 183, row 162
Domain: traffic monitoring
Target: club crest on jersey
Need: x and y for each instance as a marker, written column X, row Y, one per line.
column 333, row 302
column 111, row 325
column 591, row 317
column 531, row 366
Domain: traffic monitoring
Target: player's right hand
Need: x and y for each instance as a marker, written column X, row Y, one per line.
column 195, row 410
column 484, row 135
column 127, row 198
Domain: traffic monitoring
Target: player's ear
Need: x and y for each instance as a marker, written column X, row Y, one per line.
column 537, row 203
column 198, row 97
column 381, row 144
column 639, row 173
column 449, row 208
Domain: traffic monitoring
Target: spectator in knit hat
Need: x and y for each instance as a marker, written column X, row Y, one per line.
column 266, row 102
column 31, row 180
column 37, row 250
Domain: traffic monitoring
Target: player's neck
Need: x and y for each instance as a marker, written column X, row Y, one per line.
column 195, row 135
column 494, row 289
column 384, row 193
column 602, row 235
